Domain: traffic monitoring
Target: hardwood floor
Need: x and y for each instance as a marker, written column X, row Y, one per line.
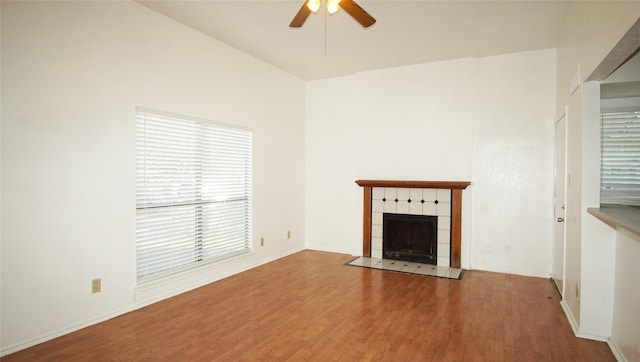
column 311, row 307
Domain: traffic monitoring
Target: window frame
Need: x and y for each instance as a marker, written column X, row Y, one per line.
column 614, row 192
column 203, row 167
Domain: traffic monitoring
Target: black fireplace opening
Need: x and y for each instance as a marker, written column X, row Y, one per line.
column 410, row 238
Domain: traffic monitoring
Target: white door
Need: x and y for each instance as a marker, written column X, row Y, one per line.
column 557, row 273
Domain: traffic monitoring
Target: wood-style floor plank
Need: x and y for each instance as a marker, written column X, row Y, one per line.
column 311, row 307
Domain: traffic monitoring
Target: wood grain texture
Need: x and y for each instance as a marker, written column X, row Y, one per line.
column 366, row 223
column 311, row 307
column 456, row 228
column 415, row 184
column 301, row 16
column 358, row 13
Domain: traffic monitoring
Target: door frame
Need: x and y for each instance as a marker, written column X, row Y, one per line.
column 559, row 276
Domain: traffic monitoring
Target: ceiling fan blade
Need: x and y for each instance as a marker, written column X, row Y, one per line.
column 357, row 13
column 300, row 17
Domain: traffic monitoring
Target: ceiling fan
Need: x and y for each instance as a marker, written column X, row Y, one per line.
column 350, row 6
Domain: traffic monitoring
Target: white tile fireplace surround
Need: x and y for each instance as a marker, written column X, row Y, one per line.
column 427, row 202
column 428, row 198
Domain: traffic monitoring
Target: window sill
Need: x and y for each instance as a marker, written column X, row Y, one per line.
column 619, row 217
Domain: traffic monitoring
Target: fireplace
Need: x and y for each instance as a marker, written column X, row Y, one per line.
column 410, row 238
column 429, row 198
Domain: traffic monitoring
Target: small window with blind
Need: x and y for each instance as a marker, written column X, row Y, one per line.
column 620, row 164
column 193, row 193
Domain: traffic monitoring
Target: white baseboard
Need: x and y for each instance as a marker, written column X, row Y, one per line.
column 576, row 331
column 572, row 321
column 63, row 331
column 594, row 337
column 616, row 351
column 345, row 251
column 575, row 327
column 150, row 294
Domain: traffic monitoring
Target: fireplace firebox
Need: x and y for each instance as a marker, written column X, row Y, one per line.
column 410, row 238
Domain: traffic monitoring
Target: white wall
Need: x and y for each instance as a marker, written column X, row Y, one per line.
column 625, row 331
column 513, row 163
column 464, row 119
column 574, row 207
column 591, row 31
column 73, row 73
column 404, row 116
column 596, row 283
column 331, row 168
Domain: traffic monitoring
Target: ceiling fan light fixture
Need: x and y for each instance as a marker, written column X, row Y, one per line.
column 313, row 5
column 350, row 7
column 333, row 6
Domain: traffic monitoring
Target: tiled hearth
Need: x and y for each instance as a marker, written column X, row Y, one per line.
column 414, row 201
column 408, row 267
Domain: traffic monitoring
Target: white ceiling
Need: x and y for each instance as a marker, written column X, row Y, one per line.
column 406, row 32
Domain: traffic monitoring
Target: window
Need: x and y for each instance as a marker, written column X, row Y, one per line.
column 193, row 193
column 620, row 167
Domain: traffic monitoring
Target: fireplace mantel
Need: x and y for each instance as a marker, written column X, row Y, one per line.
column 452, row 185
column 456, row 188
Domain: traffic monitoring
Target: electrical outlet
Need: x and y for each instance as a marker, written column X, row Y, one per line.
column 96, row 285
column 289, row 234
column 261, row 241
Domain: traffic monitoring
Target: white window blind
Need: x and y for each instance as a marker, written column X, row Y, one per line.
column 620, row 172
column 193, row 193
